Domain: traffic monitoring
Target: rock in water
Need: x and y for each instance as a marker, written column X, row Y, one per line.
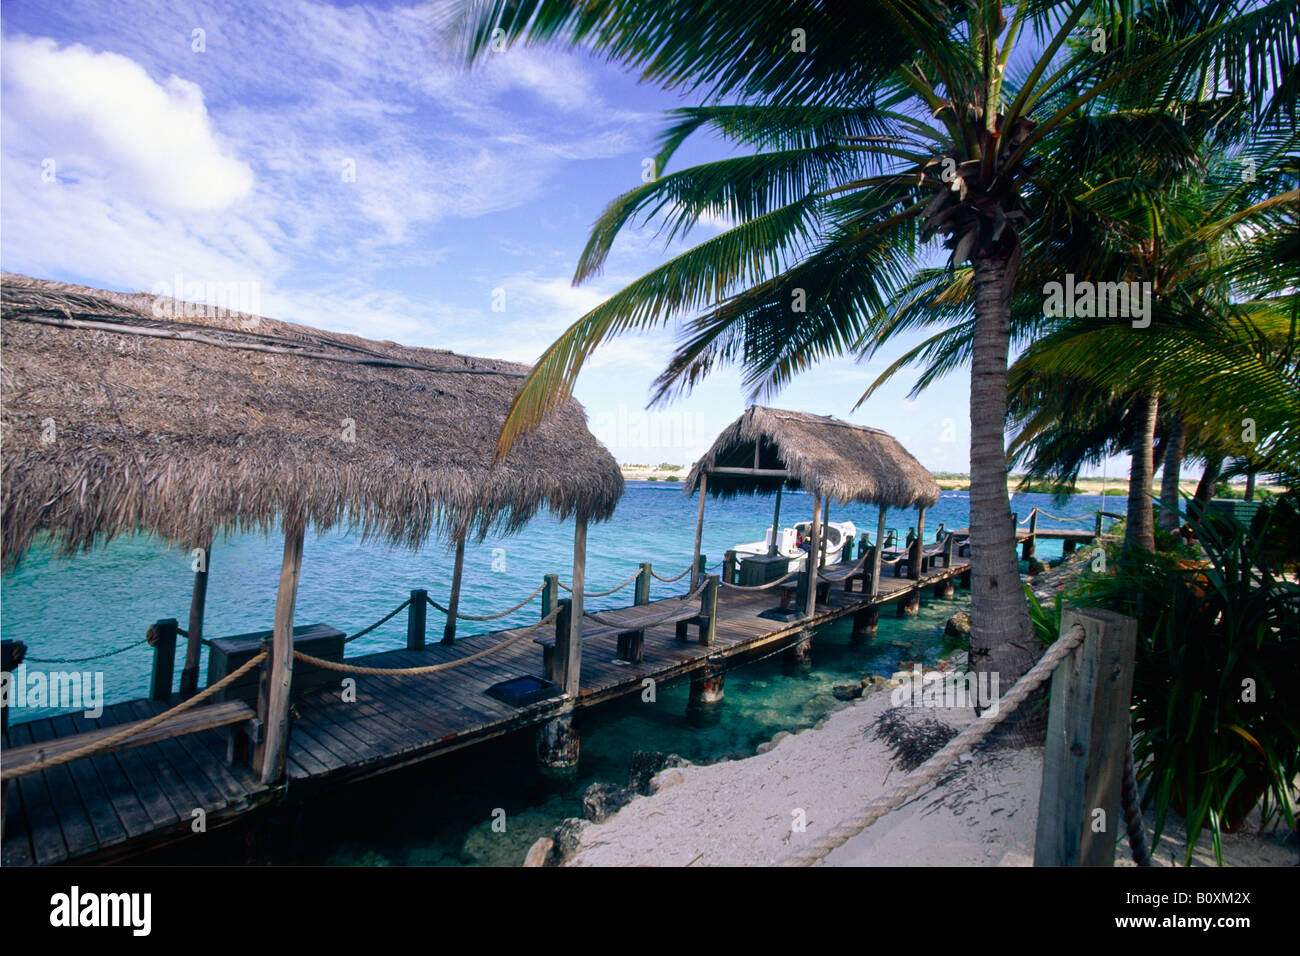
column 568, row 836
column 958, row 625
column 847, row 691
column 603, row 800
column 540, row 852
column 671, row 777
column 646, row 763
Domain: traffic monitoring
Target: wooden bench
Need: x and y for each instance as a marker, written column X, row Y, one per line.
column 940, row 552
column 630, row 631
column 31, row 758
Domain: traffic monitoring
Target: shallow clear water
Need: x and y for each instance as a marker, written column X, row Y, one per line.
column 441, row 812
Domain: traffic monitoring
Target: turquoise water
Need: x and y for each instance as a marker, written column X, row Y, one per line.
column 442, row 813
column 106, row 599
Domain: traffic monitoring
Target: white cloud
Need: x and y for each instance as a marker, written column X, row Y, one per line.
column 101, row 115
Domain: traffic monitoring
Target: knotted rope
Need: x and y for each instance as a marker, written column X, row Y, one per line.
column 674, row 578
column 762, row 587
column 596, row 594
column 640, row 623
column 345, row 668
column 108, row 743
column 963, row 743
column 488, row 617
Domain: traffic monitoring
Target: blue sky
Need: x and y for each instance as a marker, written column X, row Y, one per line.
column 343, row 159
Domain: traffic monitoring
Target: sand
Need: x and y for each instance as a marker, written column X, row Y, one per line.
column 746, row 812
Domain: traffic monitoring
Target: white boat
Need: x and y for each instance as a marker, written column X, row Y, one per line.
column 793, row 543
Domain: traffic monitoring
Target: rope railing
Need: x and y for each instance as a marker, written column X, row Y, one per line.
column 110, row 742
column 383, row 620
column 761, row 587
column 343, row 667
column 596, row 594
column 644, row 622
column 488, row 617
column 676, row 577
column 82, row 660
column 846, row 573
column 963, row 743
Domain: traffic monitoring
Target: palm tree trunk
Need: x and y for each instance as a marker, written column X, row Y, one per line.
column 1205, row 487
column 1140, row 532
column 1173, row 466
column 1002, row 639
column 1250, row 484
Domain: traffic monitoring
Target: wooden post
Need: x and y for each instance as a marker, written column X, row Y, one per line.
column 709, row 611
column 917, row 557
column 826, row 519
column 814, row 549
column 1030, row 545
column 643, row 584
column 875, row 558
column 776, row 523
column 415, row 619
column 729, row 567
column 569, row 657
column 11, row 655
column 699, row 532
column 1097, row 531
column 1087, row 739
column 865, row 623
column 271, row 752
column 194, row 643
column 453, row 602
column 162, row 638
column 551, row 593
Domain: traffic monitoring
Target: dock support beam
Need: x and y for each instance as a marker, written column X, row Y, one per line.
column 1030, row 546
column 865, row 623
column 909, row 605
column 965, row 579
column 194, row 643
column 1087, row 739
column 416, row 615
column 558, row 746
column 875, row 558
column 699, row 533
column 273, row 703
column 162, row 638
column 568, row 645
column 643, row 584
column 704, row 706
column 814, row 550
column 798, row 656
column 453, row 602
column 945, row 589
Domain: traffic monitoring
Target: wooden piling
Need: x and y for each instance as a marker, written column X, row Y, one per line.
column 570, row 656
column 162, row 638
column 416, row 614
column 194, row 642
column 696, row 570
column 917, row 555
column 776, row 523
column 814, row 548
column 551, row 593
column 865, row 623
column 875, row 558
column 643, row 578
column 1079, row 817
column 1030, row 546
column 270, row 754
column 729, row 567
column 453, row 602
column 909, row 605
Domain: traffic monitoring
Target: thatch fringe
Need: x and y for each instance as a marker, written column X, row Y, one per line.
column 115, row 420
column 838, row 460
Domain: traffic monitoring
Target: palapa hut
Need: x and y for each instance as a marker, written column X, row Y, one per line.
column 770, row 449
column 126, row 412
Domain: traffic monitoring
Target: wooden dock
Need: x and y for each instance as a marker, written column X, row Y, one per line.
column 116, row 804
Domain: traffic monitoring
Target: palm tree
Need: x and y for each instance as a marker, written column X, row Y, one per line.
column 875, row 128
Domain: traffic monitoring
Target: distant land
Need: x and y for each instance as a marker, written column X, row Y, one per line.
column 948, row 481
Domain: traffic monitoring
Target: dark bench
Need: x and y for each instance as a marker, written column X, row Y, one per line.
column 791, row 588
column 228, row 653
column 632, row 623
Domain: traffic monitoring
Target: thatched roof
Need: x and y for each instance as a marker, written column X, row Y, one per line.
column 116, row 420
column 838, row 460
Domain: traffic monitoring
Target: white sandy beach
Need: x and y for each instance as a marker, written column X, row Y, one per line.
column 741, row 812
